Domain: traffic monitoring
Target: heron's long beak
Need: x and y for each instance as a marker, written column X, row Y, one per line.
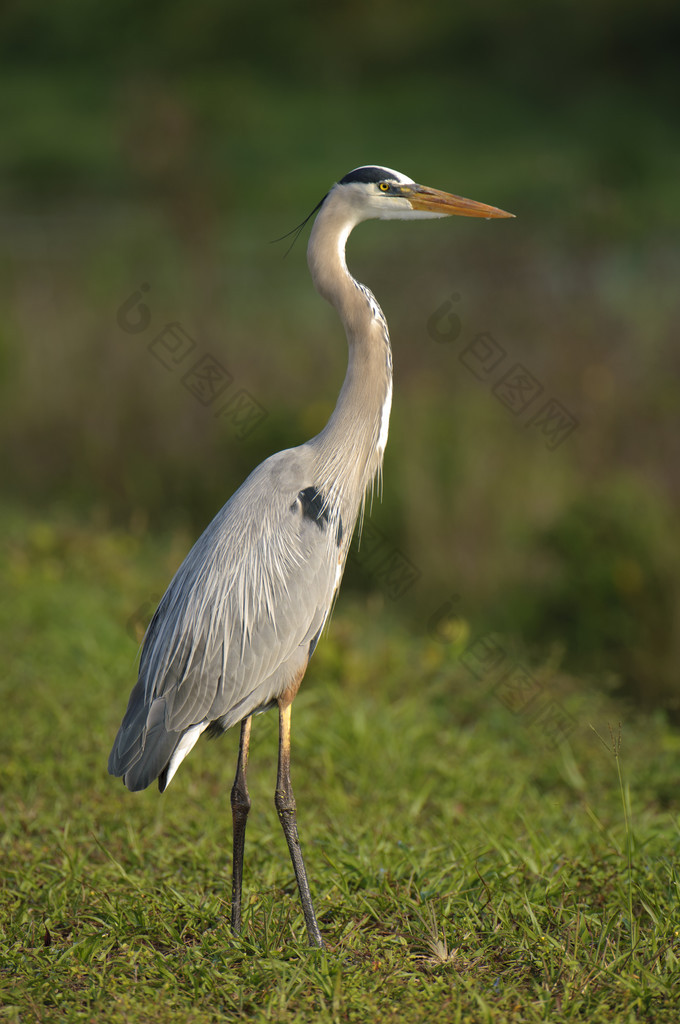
column 433, row 201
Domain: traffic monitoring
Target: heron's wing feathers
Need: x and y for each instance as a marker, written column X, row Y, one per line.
column 236, row 623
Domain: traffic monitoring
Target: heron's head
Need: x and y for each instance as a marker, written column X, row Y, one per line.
column 380, row 193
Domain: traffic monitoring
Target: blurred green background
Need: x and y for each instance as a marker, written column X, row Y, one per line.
column 168, row 144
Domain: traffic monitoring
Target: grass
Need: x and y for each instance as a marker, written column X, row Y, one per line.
column 464, row 868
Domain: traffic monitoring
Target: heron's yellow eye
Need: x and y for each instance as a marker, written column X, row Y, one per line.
column 383, row 186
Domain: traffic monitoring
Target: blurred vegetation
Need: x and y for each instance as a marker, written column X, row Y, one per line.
column 168, row 144
column 607, row 573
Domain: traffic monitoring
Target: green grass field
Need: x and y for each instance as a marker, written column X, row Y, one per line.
column 465, row 867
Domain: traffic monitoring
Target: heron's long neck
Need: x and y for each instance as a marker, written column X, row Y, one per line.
column 351, row 445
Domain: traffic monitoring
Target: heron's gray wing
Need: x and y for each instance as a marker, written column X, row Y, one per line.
column 238, row 620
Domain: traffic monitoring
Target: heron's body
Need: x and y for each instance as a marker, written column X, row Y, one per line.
column 234, row 633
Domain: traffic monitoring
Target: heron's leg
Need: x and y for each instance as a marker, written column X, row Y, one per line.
column 285, row 805
column 240, row 805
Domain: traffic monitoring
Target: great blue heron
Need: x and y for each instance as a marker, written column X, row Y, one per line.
column 237, row 626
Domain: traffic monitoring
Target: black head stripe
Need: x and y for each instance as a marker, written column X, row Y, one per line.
column 367, row 175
